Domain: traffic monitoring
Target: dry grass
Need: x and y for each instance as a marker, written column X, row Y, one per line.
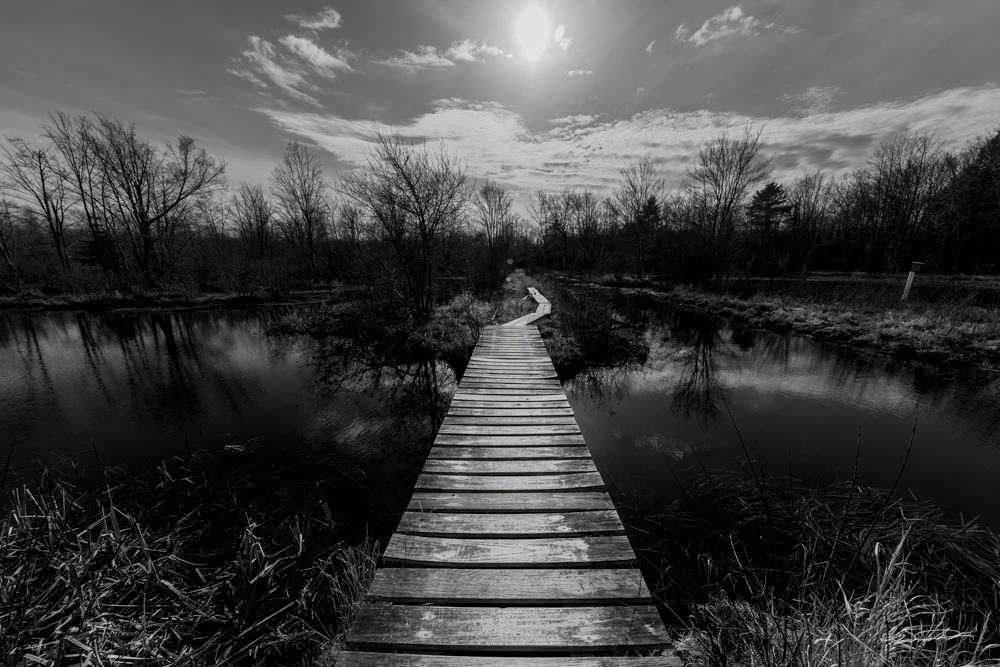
column 763, row 571
column 175, row 571
column 959, row 332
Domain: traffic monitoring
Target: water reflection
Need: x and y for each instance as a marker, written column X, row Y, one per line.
column 798, row 403
column 130, row 389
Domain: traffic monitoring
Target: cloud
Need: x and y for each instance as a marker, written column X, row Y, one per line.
column 580, row 72
column 469, row 50
column 649, row 49
column 260, row 62
column 325, row 20
column 315, row 55
column 425, row 56
column 560, row 36
column 586, row 151
column 815, row 100
column 731, row 21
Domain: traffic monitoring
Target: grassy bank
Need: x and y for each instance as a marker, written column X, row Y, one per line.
column 181, row 567
column 955, row 323
column 763, row 572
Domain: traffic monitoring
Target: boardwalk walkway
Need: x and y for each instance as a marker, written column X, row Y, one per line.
column 510, row 547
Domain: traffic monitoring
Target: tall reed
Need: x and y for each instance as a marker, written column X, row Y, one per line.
column 181, row 569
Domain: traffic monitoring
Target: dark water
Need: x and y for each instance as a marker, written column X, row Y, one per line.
column 131, row 389
column 128, row 390
column 799, row 405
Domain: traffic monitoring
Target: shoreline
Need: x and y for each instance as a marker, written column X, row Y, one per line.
column 164, row 300
column 925, row 332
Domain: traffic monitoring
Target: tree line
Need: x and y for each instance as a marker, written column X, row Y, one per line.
column 911, row 201
column 97, row 207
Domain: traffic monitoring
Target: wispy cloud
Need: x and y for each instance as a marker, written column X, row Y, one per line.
column 730, row 22
column 424, row 57
column 583, row 151
column 560, row 36
column 260, row 61
column 580, row 72
column 817, row 99
column 325, row 20
column 469, row 50
column 322, row 61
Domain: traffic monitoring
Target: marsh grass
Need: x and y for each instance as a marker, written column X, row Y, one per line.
column 942, row 324
column 179, row 568
column 764, row 571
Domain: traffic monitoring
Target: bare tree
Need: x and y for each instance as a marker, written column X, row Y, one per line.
column 415, row 197
column 7, row 223
column 301, row 199
column 149, row 190
column 251, row 210
column 728, row 168
column 887, row 202
column 34, row 175
column 811, row 198
column 637, row 200
column 76, row 142
column 495, row 217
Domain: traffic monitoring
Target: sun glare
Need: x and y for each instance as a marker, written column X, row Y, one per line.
column 533, row 32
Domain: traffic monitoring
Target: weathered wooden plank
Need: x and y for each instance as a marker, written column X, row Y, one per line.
column 460, row 411
column 512, row 357
column 496, row 429
column 521, row 394
column 464, row 402
column 610, row 550
column 508, row 420
column 552, row 524
column 534, row 467
column 523, row 373
column 583, row 480
column 508, row 629
column 477, row 383
column 508, row 440
column 376, row 659
column 579, row 501
column 533, row 362
column 454, row 586
column 507, row 376
column 487, row 453
column 495, row 396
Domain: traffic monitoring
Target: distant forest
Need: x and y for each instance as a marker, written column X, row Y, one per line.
column 96, row 207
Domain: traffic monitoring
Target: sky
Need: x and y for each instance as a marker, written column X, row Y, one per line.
column 552, row 94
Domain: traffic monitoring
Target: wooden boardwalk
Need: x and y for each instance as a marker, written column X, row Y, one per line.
column 510, row 551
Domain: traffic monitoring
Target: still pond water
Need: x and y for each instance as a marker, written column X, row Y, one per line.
column 130, row 389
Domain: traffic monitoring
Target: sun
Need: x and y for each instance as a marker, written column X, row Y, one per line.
column 533, row 32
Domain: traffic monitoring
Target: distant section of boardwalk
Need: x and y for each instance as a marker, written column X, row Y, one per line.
column 544, row 308
column 510, row 547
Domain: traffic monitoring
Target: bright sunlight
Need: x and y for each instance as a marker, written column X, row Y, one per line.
column 533, row 32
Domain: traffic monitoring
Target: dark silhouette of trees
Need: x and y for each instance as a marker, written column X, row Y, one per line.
column 495, row 218
column 253, row 215
column 415, row 197
column 636, row 203
column 768, row 218
column 151, row 191
column 718, row 186
column 35, row 176
column 302, row 201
